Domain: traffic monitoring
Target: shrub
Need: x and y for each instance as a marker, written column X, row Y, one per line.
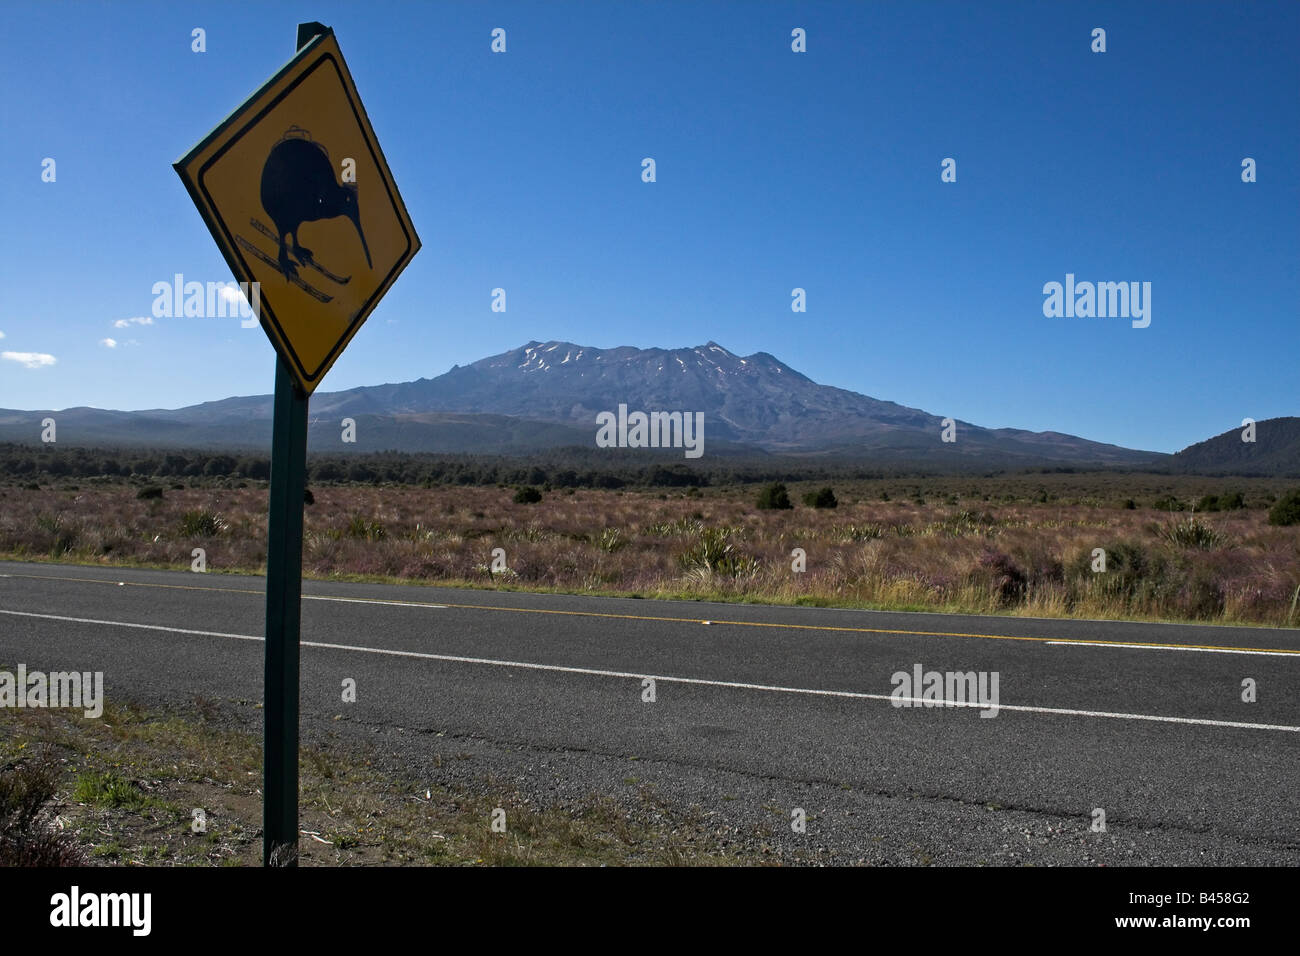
column 527, row 495
column 26, row 836
column 1168, row 503
column 1287, row 509
column 1208, row 503
column 1201, row 597
column 1232, row 501
column 774, row 496
column 1133, row 574
column 217, row 466
column 148, row 492
column 823, row 498
column 307, row 497
column 1005, row 579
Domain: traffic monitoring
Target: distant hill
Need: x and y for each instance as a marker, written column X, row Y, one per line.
column 548, row 394
column 1274, row 452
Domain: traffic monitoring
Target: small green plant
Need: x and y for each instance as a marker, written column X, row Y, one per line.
column 202, row 523
column 774, row 497
column 1192, row 533
column 64, row 532
column 610, row 540
column 527, row 495
column 365, row 528
column 108, row 790
column 148, row 492
column 858, row 532
column 716, row 553
column 666, row 529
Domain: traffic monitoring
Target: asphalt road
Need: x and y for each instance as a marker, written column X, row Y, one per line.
column 759, row 711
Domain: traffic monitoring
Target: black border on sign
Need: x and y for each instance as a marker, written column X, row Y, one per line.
column 217, row 225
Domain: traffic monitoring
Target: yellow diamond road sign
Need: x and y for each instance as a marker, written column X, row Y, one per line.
column 295, row 190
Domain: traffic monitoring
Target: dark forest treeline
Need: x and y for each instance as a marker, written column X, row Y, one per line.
column 563, row 468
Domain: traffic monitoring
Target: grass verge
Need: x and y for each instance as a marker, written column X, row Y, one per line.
column 140, row 787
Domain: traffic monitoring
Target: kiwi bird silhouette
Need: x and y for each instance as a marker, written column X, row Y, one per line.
column 298, row 186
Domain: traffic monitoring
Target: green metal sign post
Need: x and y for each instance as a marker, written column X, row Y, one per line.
column 269, row 161
column 283, row 618
column 284, row 606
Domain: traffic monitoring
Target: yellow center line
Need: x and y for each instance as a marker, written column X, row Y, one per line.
column 688, row 620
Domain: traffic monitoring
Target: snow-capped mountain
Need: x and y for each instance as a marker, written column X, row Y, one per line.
column 545, row 394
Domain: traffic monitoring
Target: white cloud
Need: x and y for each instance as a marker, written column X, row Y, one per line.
column 108, row 343
column 2, row 335
column 138, row 320
column 231, row 294
column 29, row 359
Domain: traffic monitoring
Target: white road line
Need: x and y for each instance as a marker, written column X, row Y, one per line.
column 1169, row 647
column 142, row 627
column 634, row 675
column 323, row 597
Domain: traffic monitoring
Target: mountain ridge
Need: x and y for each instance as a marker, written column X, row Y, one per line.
column 547, row 395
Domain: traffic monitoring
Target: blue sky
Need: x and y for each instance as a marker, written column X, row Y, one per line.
column 775, row 170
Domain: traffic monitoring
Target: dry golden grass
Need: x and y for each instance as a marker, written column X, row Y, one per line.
column 980, row 549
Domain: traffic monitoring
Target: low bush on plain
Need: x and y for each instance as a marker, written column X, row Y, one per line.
column 822, row 498
column 1287, row 510
column 774, row 497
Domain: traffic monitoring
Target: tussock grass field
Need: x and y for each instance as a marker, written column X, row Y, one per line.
column 1021, row 544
